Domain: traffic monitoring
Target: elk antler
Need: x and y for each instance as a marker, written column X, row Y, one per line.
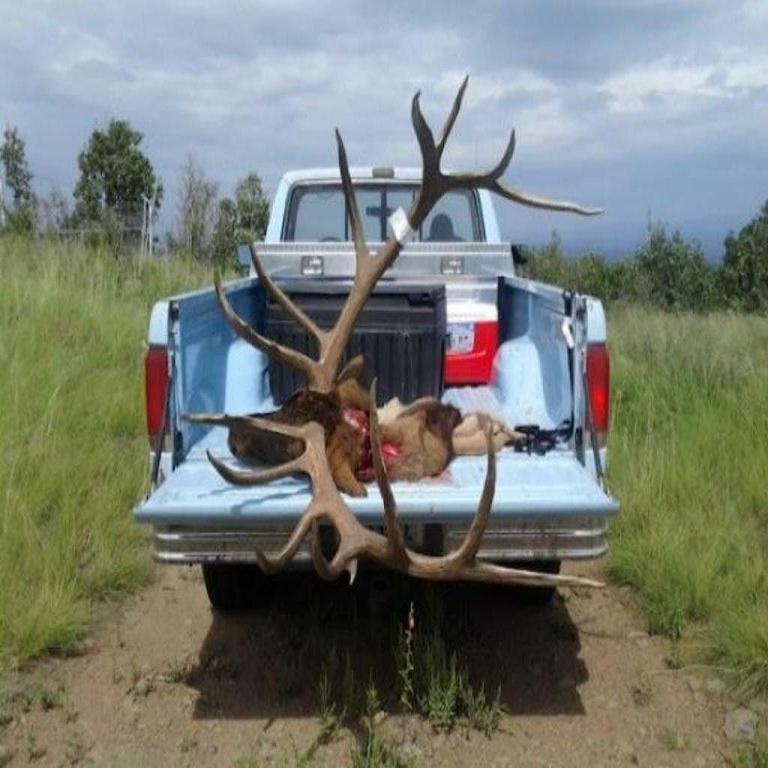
column 322, row 373
column 355, row 541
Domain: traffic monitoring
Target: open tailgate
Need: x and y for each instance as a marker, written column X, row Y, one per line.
column 527, row 486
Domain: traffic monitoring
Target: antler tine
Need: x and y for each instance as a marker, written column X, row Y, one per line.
column 342, row 560
column 392, row 527
column 249, row 422
column 533, row 201
column 274, row 563
column 430, row 157
column 250, row 477
column 451, row 119
column 361, row 247
column 468, row 549
column 286, row 355
column 291, row 309
column 312, row 435
column 498, row 171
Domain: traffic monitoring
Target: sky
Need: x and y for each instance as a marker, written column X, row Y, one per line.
column 654, row 110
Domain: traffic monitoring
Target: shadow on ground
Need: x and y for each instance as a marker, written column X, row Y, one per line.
column 268, row 663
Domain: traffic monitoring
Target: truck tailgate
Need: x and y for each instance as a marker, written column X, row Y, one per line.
column 527, row 485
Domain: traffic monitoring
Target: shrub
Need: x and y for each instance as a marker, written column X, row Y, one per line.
column 675, row 273
column 745, row 267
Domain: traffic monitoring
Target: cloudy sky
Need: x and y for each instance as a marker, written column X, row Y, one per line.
column 646, row 107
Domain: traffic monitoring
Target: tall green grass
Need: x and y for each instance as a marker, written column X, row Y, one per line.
column 689, row 461
column 73, row 450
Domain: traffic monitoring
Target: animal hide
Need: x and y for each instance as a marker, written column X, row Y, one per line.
column 417, row 440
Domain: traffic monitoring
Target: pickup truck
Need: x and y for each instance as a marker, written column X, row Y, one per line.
column 532, row 355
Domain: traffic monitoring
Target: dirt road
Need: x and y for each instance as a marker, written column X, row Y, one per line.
column 166, row 682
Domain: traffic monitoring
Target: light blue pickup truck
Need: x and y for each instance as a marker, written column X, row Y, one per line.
column 532, row 355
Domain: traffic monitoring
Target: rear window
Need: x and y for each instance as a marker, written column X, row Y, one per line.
column 316, row 213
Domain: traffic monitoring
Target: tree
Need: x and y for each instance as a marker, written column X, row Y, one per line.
column 745, row 266
column 16, row 171
column 114, row 174
column 675, row 273
column 21, row 213
column 195, row 211
column 252, row 208
column 225, row 235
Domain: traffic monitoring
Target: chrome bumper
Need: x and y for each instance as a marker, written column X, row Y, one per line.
column 564, row 538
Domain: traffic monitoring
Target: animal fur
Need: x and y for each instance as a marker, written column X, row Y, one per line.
column 344, row 443
column 417, row 441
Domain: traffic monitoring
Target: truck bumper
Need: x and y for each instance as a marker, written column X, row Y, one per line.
column 550, row 538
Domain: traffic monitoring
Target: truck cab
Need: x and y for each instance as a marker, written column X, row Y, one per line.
column 532, row 355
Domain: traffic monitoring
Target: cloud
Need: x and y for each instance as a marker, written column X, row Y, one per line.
column 672, row 86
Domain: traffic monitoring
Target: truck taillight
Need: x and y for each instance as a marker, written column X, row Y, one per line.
column 599, row 383
column 156, row 388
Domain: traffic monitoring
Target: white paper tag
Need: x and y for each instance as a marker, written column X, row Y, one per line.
column 567, row 329
column 401, row 226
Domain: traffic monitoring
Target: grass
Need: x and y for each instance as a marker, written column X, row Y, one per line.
column 72, row 436
column 688, row 462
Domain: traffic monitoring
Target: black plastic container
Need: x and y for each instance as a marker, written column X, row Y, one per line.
column 401, row 333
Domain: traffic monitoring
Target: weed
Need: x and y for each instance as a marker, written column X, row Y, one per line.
column 48, row 699
column 753, row 758
column 372, row 701
column 673, row 740
column 34, row 750
column 188, row 743
column 375, row 751
column 444, row 686
column 328, row 716
column 178, row 672
column 248, row 761
column 642, row 694
column 348, row 697
column 405, row 662
column 482, row 715
column 75, row 749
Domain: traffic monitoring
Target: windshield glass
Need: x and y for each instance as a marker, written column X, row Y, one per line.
column 317, row 213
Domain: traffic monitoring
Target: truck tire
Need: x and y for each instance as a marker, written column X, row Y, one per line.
column 234, row 587
column 536, row 596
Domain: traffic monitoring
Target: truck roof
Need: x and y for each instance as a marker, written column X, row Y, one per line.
column 356, row 172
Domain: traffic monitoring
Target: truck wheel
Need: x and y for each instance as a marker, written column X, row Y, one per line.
column 235, row 587
column 537, row 596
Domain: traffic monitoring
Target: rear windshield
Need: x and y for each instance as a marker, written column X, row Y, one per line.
column 316, row 213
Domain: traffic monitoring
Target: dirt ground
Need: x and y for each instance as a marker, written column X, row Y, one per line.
column 165, row 681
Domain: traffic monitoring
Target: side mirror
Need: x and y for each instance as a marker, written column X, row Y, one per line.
column 520, row 254
column 244, row 256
